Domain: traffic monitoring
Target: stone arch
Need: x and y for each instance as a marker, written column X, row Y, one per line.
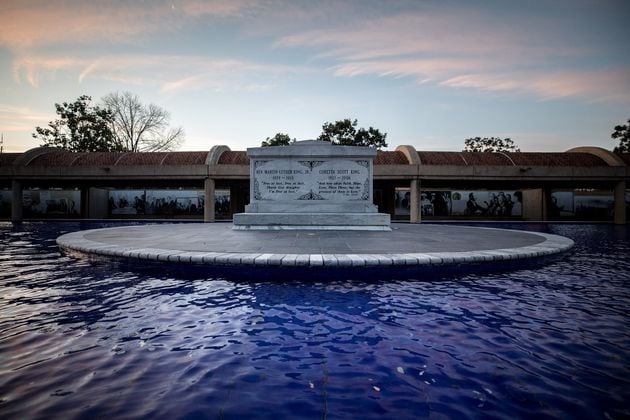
column 215, row 154
column 410, row 153
column 606, row 155
column 30, row 155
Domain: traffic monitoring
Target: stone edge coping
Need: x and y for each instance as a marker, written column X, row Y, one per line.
column 552, row 244
column 366, row 228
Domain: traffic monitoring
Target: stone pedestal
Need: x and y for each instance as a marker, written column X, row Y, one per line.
column 311, row 185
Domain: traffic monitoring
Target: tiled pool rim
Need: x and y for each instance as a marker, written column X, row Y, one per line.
column 545, row 245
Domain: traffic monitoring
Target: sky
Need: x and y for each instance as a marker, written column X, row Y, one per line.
column 550, row 75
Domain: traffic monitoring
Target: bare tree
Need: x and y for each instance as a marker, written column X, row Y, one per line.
column 141, row 128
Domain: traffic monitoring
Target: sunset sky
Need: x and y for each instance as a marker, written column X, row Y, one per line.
column 551, row 75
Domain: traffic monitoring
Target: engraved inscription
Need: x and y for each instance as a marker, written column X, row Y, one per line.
column 332, row 180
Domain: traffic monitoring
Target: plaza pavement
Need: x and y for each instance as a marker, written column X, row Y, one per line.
column 406, row 245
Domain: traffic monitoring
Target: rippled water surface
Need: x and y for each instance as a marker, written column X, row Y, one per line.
column 86, row 339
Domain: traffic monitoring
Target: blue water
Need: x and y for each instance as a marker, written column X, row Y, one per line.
column 101, row 339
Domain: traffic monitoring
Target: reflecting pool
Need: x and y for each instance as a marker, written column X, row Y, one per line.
column 85, row 339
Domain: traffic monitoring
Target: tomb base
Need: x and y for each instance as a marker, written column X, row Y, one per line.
column 312, row 221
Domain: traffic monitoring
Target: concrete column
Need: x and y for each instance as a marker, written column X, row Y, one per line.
column 546, row 202
column 533, row 205
column 85, row 203
column 16, row 201
column 208, row 209
column 236, row 200
column 98, row 206
column 415, row 213
column 620, row 203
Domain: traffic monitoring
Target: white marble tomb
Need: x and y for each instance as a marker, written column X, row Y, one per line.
column 311, row 185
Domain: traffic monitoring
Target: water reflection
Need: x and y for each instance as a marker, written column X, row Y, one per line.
column 84, row 338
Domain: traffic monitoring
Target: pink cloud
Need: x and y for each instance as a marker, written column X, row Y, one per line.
column 492, row 82
column 473, row 73
column 32, row 68
column 463, row 49
column 446, row 33
column 603, row 85
column 30, row 25
column 600, row 85
column 421, row 68
column 27, row 27
column 20, row 121
column 217, row 8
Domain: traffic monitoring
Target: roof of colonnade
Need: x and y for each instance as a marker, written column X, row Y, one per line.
column 403, row 155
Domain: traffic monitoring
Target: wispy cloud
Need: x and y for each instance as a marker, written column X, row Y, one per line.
column 28, row 28
column 423, row 69
column 454, row 46
column 169, row 73
column 31, row 69
column 218, row 8
column 465, row 49
column 21, row 119
column 447, row 33
column 598, row 85
column 28, row 25
column 223, row 75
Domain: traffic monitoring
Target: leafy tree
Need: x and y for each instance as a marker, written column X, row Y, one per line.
column 141, row 128
column 490, row 144
column 280, row 139
column 81, row 127
column 345, row 133
column 622, row 132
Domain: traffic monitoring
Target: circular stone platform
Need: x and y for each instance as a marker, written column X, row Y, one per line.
column 406, row 245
